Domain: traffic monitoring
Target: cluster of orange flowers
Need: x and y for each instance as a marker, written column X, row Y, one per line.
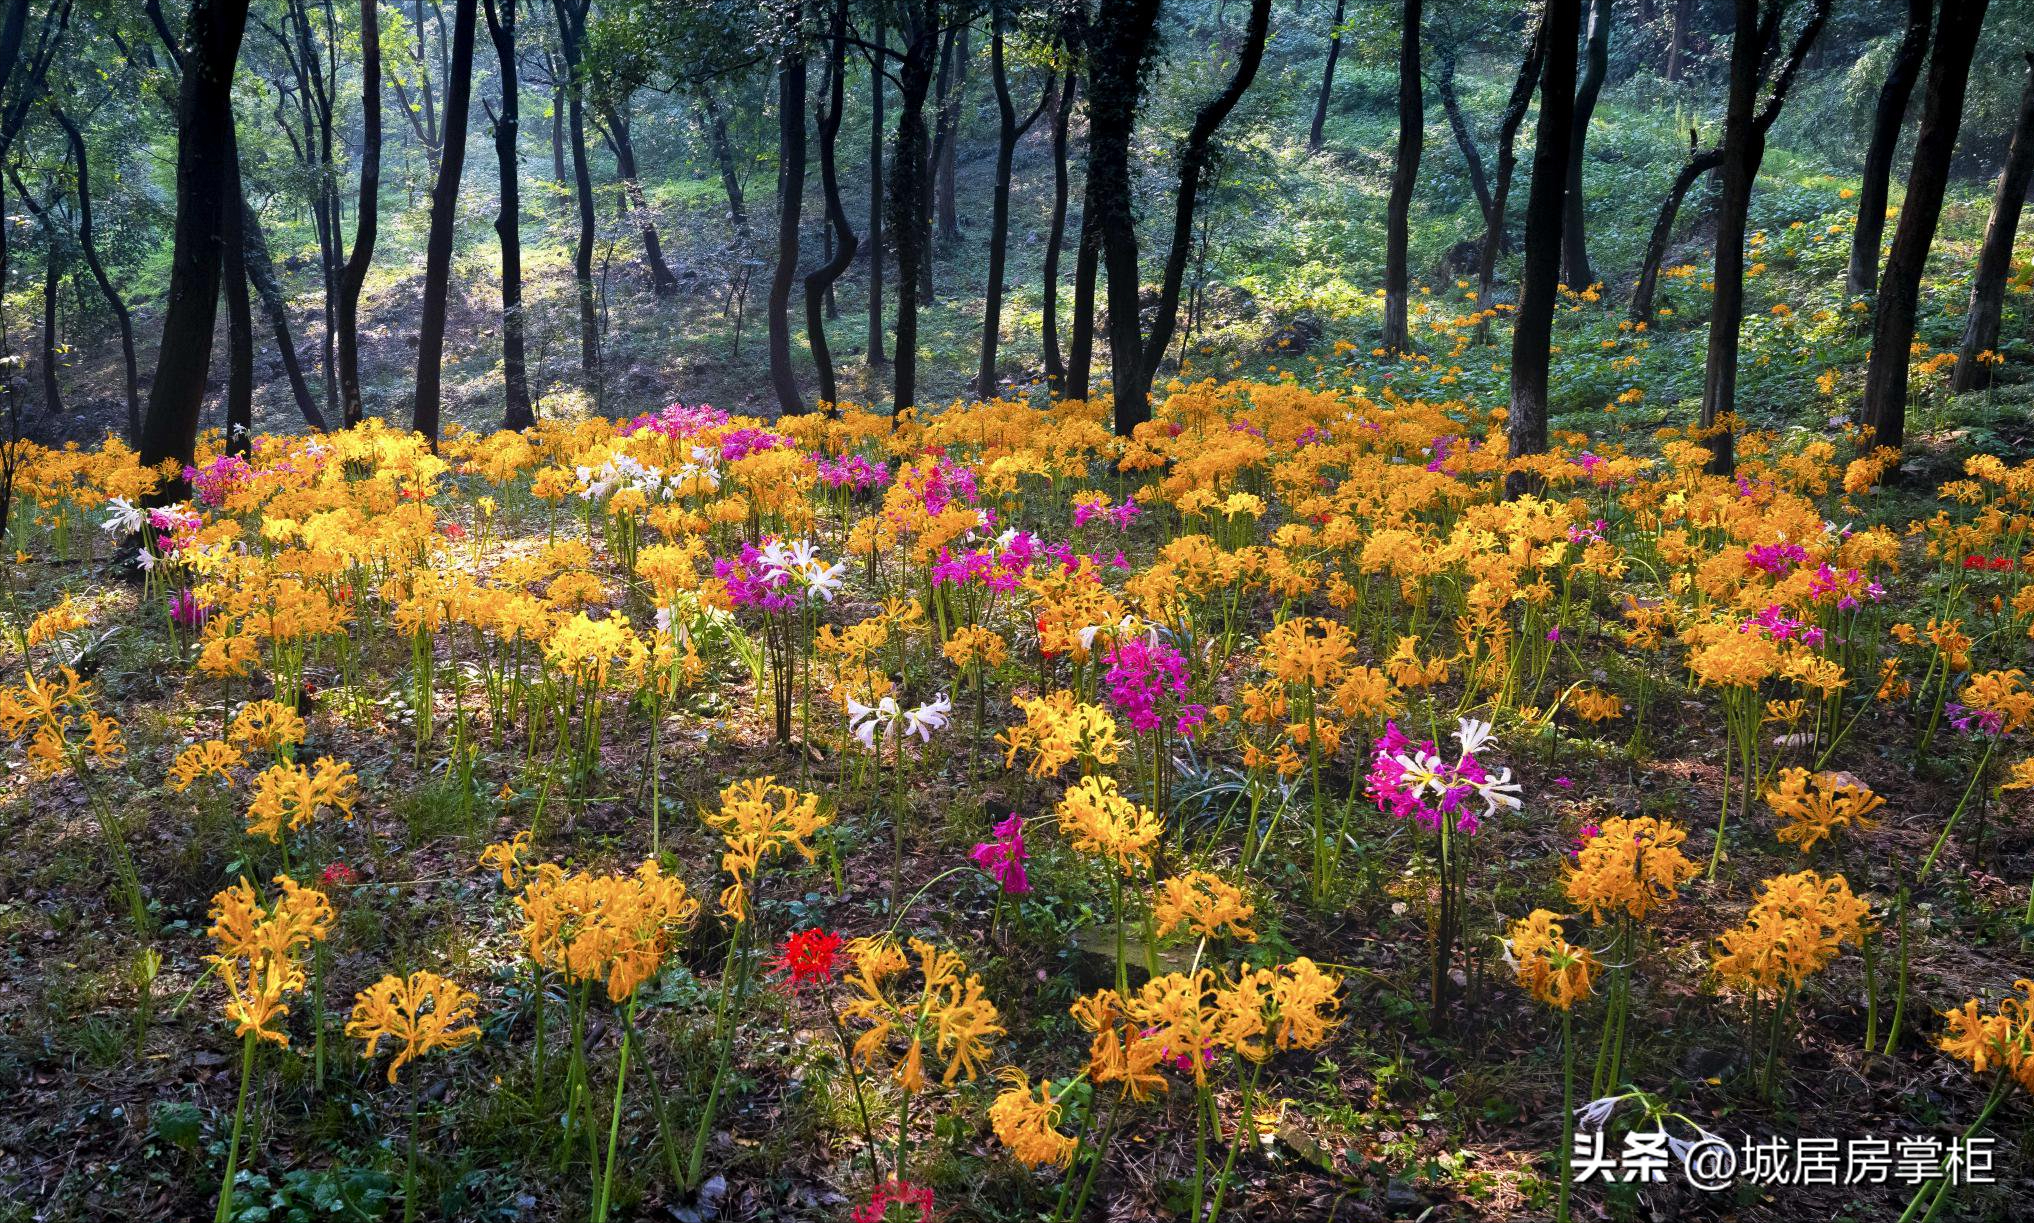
column 1797, row 925
column 260, row 948
column 613, row 928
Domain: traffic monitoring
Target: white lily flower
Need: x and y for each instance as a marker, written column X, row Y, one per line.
column 927, row 718
column 146, row 559
column 1499, row 791
column 124, row 517
column 1596, row 1114
column 1472, row 735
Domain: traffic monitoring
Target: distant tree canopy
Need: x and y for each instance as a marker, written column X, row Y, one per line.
column 297, row 167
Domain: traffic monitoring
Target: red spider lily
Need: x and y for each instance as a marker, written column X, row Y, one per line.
column 807, row 957
column 895, row 1193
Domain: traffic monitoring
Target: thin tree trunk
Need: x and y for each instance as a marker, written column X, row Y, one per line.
column 791, row 83
column 1405, row 169
column 508, row 223
column 1055, row 236
column 1699, row 163
column 444, row 216
column 1995, row 257
column 52, row 284
column 819, row 282
column 635, row 204
column 1317, row 133
column 949, row 142
column 1008, row 132
column 204, row 192
column 239, row 325
column 909, row 225
column 1193, row 171
column 1885, row 392
column 261, row 275
column 1494, row 238
column 1743, row 148
column 571, row 35
column 1887, row 119
column 1120, row 57
column 928, row 184
column 1575, row 269
column 90, row 249
column 366, row 219
column 1677, row 39
column 1532, row 332
column 723, row 156
column 875, row 358
column 1465, row 140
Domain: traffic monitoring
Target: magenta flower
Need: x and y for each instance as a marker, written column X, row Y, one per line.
column 1003, row 858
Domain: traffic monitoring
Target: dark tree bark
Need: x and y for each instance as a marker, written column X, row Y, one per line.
column 1887, row 119
column 239, row 324
column 205, row 190
column 909, row 225
column 1193, row 172
column 1885, row 392
column 1677, row 39
column 261, row 276
column 730, row 177
column 949, row 140
column 1494, row 239
column 1701, row 161
column 875, row 358
column 1465, row 140
column 928, row 182
column 1575, row 269
column 1405, row 171
column 1008, row 132
column 367, row 216
column 1532, row 332
column 571, row 16
column 1120, row 52
column 1995, row 257
column 316, row 86
column 1743, row 149
column 1317, row 133
column 444, row 215
column 790, row 203
column 1055, row 236
column 508, row 222
column 89, row 247
column 636, row 205
column 819, row 282
column 52, row 287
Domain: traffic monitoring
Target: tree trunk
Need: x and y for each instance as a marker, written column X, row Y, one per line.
column 1677, row 39
column 508, row 223
column 949, row 141
column 1995, row 257
column 635, row 204
column 790, row 203
column 1885, row 393
column 1008, row 132
column 730, row 178
column 267, row 287
column 1494, row 240
column 909, row 225
column 1465, row 140
column 204, row 192
column 1532, row 332
column 1575, row 269
column 1055, row 237
column 239, row 325
column 1887, row 120
column 1193, row 170
column 819, row 282
column 571, row 36
column 1120, row 54
column 1743, row 149
column 928, row 182
column 367, row 216
column 1700, row 162
column 52, row 285
column 444, row 216
column 875, row 357
column 1405, row 170
column 87, row 244
column 1317, row 134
